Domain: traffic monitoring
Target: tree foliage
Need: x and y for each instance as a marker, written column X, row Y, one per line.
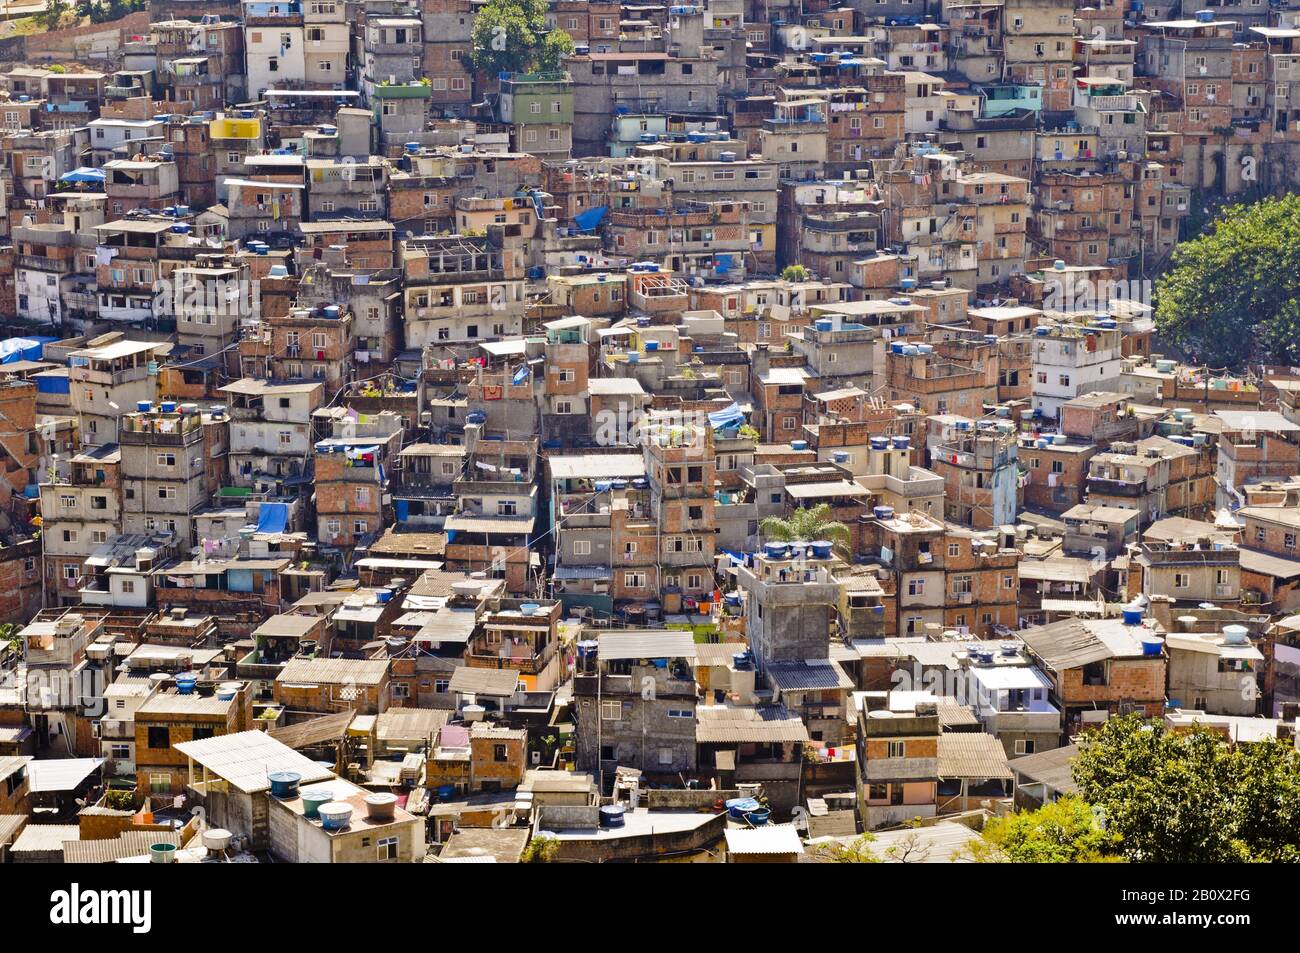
column 1066, row 831
column 512, row 36
column 1189, row 797
column 1234, row 292
column 807, row 525
column 795, row 273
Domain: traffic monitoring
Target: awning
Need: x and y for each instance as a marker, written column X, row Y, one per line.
column 83, row 174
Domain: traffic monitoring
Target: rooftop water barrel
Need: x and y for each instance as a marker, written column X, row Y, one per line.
column 909, row 350
column 633, row 357
column 798, row 444
column 1059, row 264
column 185, row 683
column 529, row 608
column 1059, row 438
column 758, row 816
column 821, row 549
column 312, row 801
column 824, row 325
column 840, row 456
column 738, row 807
column 651, row 346
column 332, row 311
column 143, row 406
column 776, row 550
column 879, row 443
column 216, row 838
column 1205, row 16
column 226, row 691
column 611, row 815
column 1042, row 330
column 990, row 339
column 162, row 853
column 901, row 443
column 897, row 347
column 476, row 417
column 883, row 512
column 1236, row 635
column 383, row 595
column 381, row 807
column 1132, row 615
column 472, row 712
column 925, row 348
column 907, row 284
column 335, row 815
column 1152, row 645
column 168, row 406
column 446, row 792
column 284, row 784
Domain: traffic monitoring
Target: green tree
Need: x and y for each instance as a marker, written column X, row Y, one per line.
column 1063, row 832
column 807, row 525
column 53, row 14
column 511, row 36
column 795, row 273
column 1233, row 294
column 552, row 51
column 1189, row 797
column 540, row 850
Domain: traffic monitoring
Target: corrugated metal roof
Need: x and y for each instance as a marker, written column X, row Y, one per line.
column 972, row 754
column 663, row 643
column 112, row 849
column 596, row 466
column 334, row 671
column 1051, row 768
column 60, row 774
column 314, row 731
column 43, row 838
column 484, row 681
column 247, row 758
column 810, row 675
column 769, row 723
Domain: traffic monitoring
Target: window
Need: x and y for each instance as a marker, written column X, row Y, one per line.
column 582, row 547
column 500, row 753
column 159, row 737
column 916, row 587
column 611, row 711
column 634, row 580
column 1024, row 746
column 387, row 848
column 1182, row 580
column 166, row 459
column 665, row 756
column 898, row 749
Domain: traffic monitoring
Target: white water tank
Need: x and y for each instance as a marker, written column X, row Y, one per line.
column 216, row 838
column 473, row 712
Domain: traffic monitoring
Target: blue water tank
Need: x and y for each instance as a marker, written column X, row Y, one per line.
column 776, row 550
column 883, row 512
column 821, row 549
column 1132, row 616
column 1152, row 645
column 143, row 406
column 284, row 784
column 168, row 406
column 611, row 815
column 798, row 444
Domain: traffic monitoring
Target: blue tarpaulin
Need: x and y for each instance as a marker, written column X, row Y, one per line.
column 53, row 384
column 23, row 349
column 83, row 174
column 590, row 220
column 733, row 416
column 272, row 517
